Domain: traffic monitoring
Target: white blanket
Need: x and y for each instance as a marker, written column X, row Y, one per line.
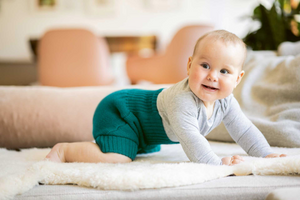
column 21, row 171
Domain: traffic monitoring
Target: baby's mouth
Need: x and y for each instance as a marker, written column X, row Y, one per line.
column 209, row 87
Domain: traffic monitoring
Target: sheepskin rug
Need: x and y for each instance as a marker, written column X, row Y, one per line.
column 25, row 169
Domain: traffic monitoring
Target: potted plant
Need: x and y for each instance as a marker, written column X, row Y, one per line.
column 278, row 24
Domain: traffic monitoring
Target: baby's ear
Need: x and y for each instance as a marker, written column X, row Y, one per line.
column 188, row 66
column 239, row 78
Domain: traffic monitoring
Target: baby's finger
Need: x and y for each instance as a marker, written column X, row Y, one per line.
column 238, row 157
column 272, row 156
column 237, row 161
column 283, row 155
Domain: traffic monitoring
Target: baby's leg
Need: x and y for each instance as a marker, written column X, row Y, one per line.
column 88, row 152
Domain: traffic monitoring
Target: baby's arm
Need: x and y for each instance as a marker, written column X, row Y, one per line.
column 244, row 132
column 183, row 120
column 195, row 145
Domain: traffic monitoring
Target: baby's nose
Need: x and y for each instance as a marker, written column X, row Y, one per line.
column 212, row 76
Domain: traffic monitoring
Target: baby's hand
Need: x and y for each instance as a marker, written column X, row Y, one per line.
column 275, row 155
column 232, row 160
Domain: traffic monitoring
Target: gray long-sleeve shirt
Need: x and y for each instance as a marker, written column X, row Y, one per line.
column 185, row 121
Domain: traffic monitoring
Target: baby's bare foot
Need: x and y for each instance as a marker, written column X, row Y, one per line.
column 56, row 154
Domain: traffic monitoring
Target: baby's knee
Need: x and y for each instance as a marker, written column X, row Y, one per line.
column 57, row 153
column 60, row 148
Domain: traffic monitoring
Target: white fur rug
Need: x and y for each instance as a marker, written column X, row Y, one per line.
column 21, row 171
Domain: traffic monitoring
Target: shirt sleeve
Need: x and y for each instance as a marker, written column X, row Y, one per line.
column 184, row 124
column 244, row 132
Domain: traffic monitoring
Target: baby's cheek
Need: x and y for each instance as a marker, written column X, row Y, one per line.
column 199, row 76
column 194, row 78
column 229, row 85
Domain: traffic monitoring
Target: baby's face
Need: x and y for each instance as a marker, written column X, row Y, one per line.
column 215, row 69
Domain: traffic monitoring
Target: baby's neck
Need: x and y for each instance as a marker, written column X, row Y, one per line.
column 208, row 104
column 209, row 108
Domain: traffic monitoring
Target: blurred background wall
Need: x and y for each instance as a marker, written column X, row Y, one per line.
column 21, row 20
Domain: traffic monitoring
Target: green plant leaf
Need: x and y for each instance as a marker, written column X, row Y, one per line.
column 257, row 12
column 277, row 27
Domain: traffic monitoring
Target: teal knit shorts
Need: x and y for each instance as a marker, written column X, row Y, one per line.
column 127, row 122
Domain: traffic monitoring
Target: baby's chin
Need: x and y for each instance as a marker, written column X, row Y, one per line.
column 207, row 99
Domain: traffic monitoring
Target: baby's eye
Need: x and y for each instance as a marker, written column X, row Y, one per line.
column 205, row 66
column 224, row 71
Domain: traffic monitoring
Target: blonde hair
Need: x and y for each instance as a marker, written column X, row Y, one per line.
column 223, row 35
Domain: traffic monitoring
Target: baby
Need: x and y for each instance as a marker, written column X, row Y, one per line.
column 132, row 121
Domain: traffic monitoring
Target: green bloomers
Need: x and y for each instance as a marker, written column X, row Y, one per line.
column 127, row 122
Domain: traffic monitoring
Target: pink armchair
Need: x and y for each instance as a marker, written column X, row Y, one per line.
column 72, row 58
column 169, row 67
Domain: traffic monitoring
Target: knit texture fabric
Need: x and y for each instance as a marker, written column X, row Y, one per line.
column 127, row 122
